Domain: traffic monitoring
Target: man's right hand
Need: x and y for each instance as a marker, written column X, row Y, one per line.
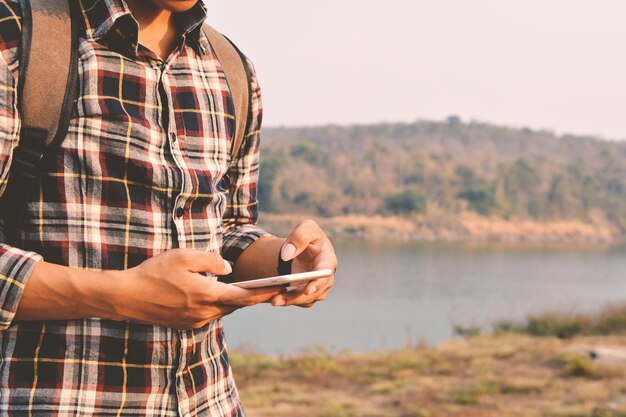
column 168, row 290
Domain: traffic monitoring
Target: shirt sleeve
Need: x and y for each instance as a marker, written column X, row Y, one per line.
column 15, row 264
column 239, row 222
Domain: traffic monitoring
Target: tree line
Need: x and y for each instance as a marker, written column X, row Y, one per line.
column 442, row 169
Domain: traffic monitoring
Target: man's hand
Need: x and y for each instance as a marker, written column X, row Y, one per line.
column 169, row 290
column 311, row 250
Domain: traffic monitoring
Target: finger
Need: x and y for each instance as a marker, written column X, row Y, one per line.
column 222, row 311
column 300, row 297
column 296, row 297
column 306, row 232
column 315, row 285
column 236, row 296
column 323, row 295
column 326, row 258
column 212, row 262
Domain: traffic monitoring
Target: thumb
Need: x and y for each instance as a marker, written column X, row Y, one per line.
column 211, row 262
column 306, row 232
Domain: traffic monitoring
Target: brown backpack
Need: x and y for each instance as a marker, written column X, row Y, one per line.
column 48, row 86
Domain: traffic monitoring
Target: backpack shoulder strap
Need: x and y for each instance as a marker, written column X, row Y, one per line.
column 47, row 86
column 238, row 76
column 47, row 69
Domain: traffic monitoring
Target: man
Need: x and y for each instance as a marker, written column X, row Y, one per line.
column 109, row 304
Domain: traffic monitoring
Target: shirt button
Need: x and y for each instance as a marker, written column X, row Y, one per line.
column 180, row 211
column 173, row 136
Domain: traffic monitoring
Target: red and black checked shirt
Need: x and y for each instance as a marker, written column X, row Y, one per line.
column 145, row 167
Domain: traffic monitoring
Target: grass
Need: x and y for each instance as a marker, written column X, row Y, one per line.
column 508, row 374
column 611, row 320
column 475, row 376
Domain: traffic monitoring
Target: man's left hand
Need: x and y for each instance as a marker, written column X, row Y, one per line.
column 311, row 250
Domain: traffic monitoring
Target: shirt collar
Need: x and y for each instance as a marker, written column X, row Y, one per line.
column 113, row 19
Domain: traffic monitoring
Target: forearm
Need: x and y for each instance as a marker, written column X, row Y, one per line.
column 170, row 289
column 55, row 292
column 259, row 259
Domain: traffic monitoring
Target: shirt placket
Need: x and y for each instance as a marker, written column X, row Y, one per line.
column 181, row 199
column 179, row 212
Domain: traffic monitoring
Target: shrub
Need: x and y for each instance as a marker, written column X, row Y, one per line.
column 558, row 325
column 406, row 202
column 481, row 200
column 611, row 320
column 579, row 366
column 467, row 331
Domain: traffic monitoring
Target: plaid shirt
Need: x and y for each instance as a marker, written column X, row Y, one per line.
column 145, row 167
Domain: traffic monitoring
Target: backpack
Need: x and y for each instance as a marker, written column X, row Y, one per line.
column 48, row 87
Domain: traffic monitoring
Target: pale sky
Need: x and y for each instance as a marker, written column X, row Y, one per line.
column 544, row 64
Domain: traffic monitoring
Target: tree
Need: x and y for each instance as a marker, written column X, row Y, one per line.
column 481, row 200
column 405, row 202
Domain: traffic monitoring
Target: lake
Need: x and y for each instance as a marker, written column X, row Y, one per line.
column 392, row 294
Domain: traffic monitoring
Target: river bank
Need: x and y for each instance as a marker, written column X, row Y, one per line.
column 465, row 227
column 552, row 364
column 505, row 375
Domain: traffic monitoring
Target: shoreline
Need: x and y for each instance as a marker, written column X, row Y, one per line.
column 464, row 228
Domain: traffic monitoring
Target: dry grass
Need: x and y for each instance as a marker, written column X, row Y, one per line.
column 463, row 227
column 504, row 375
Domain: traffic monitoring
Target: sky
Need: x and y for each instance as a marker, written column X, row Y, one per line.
column 544, row 64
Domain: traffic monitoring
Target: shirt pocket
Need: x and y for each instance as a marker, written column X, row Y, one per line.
column 114, row 87
column 117, row 136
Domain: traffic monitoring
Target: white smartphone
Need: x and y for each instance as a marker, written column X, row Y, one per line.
column 291, row 279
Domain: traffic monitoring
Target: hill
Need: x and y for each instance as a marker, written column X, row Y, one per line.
column 440, row 172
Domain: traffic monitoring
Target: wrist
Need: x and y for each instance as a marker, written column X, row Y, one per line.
column 259, row 259
column 99, row 293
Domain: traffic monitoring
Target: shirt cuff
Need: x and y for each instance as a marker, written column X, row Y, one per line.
column 16, row 266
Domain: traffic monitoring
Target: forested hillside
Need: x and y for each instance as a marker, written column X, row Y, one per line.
column 443, row 169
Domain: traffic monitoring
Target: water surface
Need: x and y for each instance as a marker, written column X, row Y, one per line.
column 390, row 294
